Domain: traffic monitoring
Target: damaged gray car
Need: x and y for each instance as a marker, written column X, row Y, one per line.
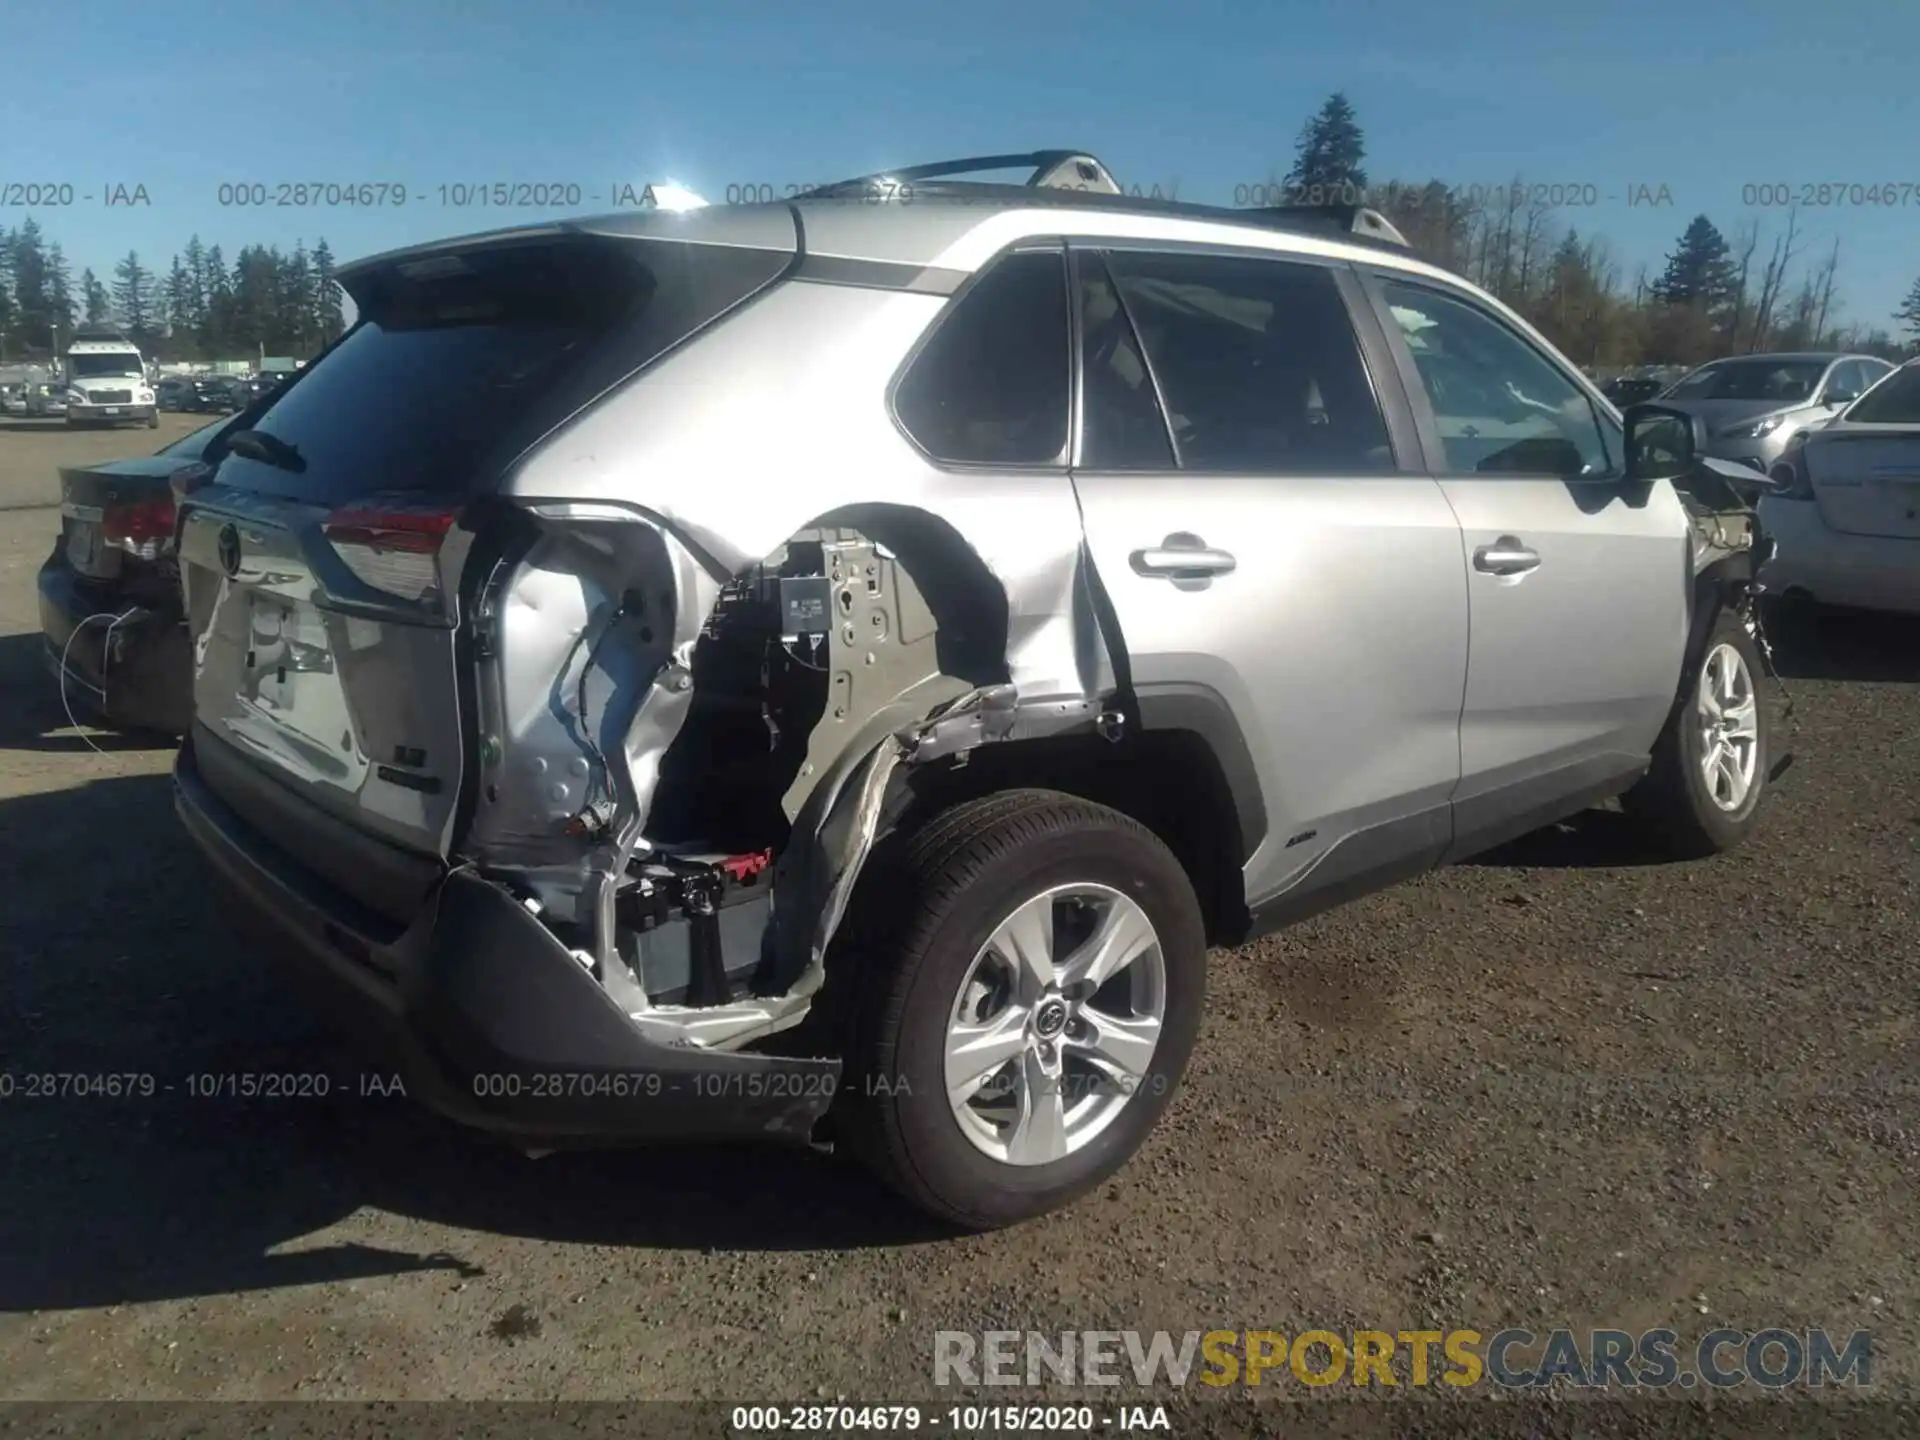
column 828, row 671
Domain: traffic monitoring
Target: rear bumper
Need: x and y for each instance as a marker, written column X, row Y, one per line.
column 497, row 1026
column 1867, row 572
column 142, row 677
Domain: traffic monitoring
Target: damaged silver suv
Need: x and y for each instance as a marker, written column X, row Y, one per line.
column 828, row 671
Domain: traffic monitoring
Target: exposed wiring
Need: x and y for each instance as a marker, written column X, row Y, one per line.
column 789, row 652
column 604, row 771
column 66, row 701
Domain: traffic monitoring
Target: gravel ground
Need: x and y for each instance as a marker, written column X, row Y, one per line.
column 1556, row 1087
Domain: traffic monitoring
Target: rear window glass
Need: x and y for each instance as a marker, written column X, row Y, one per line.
column 192, row 445
column 455, row 368
column 1895, row 401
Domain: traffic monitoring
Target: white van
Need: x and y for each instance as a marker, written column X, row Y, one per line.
column 107, row 384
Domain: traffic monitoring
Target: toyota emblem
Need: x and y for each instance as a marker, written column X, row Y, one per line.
column 230, row 550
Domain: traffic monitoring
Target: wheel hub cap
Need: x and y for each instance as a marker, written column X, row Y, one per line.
column 1050, row 1019
column 1729, row 718
column 1055, row 1024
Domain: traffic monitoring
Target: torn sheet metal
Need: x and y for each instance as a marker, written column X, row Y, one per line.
column 767, row 430
column 769, row 426
column 584, row 681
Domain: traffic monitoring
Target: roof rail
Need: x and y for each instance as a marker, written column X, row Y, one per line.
column 1053, row 169
column 1073, row 177
column 1360, row 219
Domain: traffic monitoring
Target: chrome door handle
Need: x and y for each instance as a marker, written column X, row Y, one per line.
column 1506, row 556
column 1182, row 557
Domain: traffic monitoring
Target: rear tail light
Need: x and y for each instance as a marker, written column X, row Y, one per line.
column 144, row 529
column 394, row 548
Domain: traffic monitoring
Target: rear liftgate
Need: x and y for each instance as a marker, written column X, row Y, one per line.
column 683, row 769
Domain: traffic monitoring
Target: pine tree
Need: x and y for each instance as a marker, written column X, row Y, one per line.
column 256, row 293
column 134, row 301
column 194, row 261
column 1700, row 269
column 179, row 303
column 1326, row 166
column 7, row 311
column 328, row 321
column 217, row 295
column 1909, row 317
column 59, row 294
column 295, row 307
column 93, row 298
column 32, row 304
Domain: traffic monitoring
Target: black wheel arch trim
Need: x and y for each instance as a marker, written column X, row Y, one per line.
column 1189, row 705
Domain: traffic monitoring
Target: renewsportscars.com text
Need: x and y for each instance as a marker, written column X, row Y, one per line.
column 1510, row 1358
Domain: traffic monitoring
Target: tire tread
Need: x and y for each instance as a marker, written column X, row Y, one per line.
column 937, row 866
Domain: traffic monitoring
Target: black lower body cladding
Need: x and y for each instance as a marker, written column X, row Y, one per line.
column 498, row 1026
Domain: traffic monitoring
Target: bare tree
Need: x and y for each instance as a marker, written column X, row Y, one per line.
column 1828, row 272
column 1535, row 234
column 1745, row 241
column 1773, row 281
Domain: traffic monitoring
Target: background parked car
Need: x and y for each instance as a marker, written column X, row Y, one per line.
column 110, row 610
column 210, row 395
column 1752, row 405
column 13, row 400
column 1846, row 521
column 170, row 393
column 1631, row 389
column 49, row 398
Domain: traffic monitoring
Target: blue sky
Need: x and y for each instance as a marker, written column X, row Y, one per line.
column 1204, row 94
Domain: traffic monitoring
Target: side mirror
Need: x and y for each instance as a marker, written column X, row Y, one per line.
column 1662, row 443
column 1837, row 398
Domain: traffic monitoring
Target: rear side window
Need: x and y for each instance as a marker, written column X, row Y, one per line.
column 1895, row 402
column 1122, row 427
column 990, row 386
column 1257, row 364
column 459, row 363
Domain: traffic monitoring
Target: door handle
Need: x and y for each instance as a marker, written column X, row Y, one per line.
column 1506, row 556
column 1182, row 557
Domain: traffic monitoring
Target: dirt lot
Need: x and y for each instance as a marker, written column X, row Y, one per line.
column 1557, row 1087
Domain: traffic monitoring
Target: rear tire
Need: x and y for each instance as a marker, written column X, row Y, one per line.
column 941, row 952
column 1708, row 781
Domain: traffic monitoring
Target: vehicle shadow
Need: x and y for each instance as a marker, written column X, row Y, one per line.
column 1826, row 644
column 1592, row 839
column 122, row 980
column 34, row 716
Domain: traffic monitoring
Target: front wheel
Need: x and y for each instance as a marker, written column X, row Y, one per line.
column 1034, row 990
column 153, row 421
column 1703, row 793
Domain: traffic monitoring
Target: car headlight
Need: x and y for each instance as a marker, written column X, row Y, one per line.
column 1758, row 429
column 144, row 397
column 77, row 397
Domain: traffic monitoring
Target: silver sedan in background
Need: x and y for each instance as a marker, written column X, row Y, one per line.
column 1753, row 405
column 1846, row 515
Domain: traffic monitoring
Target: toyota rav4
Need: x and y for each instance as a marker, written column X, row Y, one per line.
column 829, row 671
